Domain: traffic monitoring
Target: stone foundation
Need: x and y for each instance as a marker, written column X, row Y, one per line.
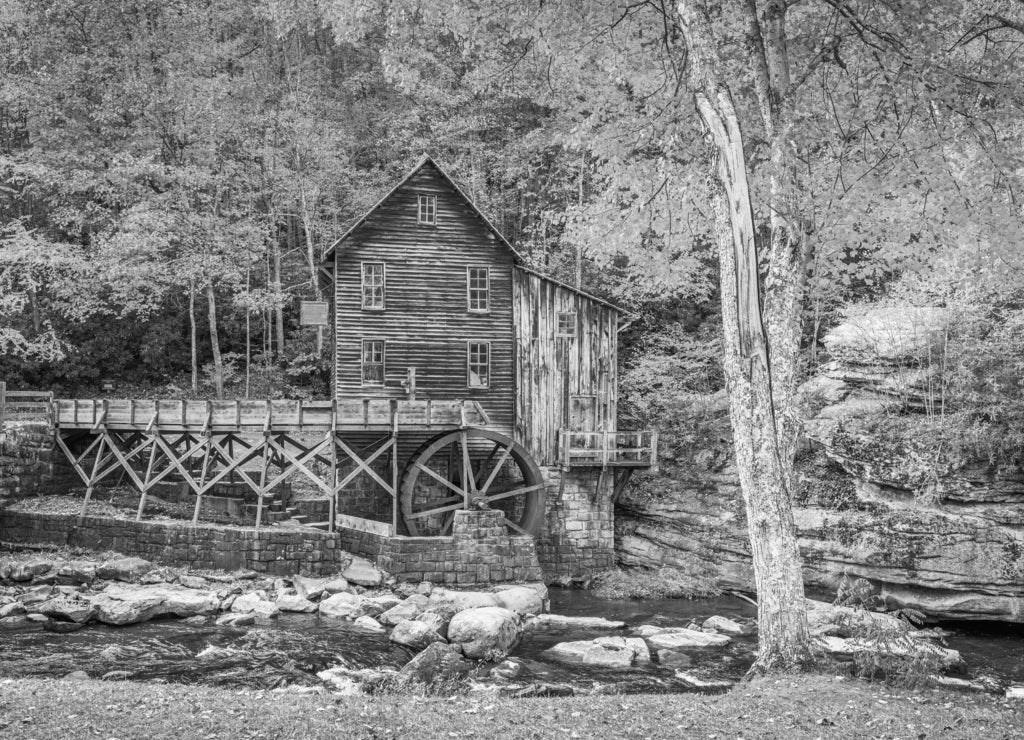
column 29, row 463
column 579, row 527
column 274, row 551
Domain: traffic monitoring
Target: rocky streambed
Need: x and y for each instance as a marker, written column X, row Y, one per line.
column 356, row 632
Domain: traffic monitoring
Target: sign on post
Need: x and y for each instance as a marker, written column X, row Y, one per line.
column 313, row 313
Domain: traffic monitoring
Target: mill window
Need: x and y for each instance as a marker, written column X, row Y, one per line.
column 427, row 209
column 373, row 286
column 478, row 364
column 478, row 289
column 373, row 362
column 566, row 324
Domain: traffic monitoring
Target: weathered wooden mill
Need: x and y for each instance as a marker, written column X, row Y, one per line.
column 463, row 380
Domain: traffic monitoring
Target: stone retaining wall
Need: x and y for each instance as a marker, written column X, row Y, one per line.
column 579, row 529
column 274, row 551
column 29, row 463
column 479, row 552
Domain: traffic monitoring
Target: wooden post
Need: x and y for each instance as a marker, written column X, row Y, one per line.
column 3, row 400
column 149, row 477
column 92, row 478
column 333, row 501
column 394, row 469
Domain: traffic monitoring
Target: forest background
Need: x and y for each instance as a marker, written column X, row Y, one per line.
column 172, row 172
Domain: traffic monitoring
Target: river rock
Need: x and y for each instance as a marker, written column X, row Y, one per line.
column 236, row 619
column 486, row 633
column 674, row 658
column 13, row 609
column 77, row 571
column 674, row 638
column 29, row 569
column 523, row 600
column 196, row 582
column 725, row 626
column 705, row 683
column 120, row 604
column 341, row 681
column 459, row 601
column 363, row 573
column 342, row 605
column 14, row 622
column 370, row 624
column 123, row 568
column 295, row 603
column 888, row 647
column 410, row 608
column 377, row 605
column 338, row 585
column 562, row 622
column 610, row 652
column 310, row 588
column 76, row 676
column 437, row 661
column 72, row 609
column 36, row 595
column 416, row 635
column 255, row 603
column 436, row 620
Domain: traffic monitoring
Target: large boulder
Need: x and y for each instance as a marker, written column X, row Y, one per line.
column 410, row 608
column 413, row 634
column 676, row 638
column 905, row 647
column 437, row 661
column 310, row 588
column 609, row 652
column 29, row 569
column 295, row 603
column 379, row 604
column 255, row 603
column 459, row 601
column 120, row 604
column 342, row 605
column 486, row 633
column 77, row 572
column 523, row 600
column 564, row 622
column 123, row 568
column 67, row 608
column 363, row 573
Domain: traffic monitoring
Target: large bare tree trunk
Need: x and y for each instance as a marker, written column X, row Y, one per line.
column 753, row 361
column 278, row 309
column 218, row 362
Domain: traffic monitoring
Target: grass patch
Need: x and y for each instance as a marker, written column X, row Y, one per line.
column 660, row 583
column 787, row 707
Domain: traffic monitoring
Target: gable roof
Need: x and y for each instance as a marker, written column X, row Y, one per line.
column 425, row 160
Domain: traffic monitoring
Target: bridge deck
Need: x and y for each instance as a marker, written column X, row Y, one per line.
column 366, row 414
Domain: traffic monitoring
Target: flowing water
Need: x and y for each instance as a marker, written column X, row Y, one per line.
column 290, row 650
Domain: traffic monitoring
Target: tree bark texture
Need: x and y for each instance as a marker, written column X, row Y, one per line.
column 218, row 362
column 756, row 354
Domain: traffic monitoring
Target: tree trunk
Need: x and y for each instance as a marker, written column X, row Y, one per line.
column 764, row 456
column 278, row 309
column 192, row 336
column 218, row 363
column 314, row 267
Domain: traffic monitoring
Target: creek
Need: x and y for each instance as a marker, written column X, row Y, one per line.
column 291, row 649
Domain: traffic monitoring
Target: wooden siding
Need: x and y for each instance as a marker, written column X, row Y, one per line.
column 426, row 323
column 551, row 371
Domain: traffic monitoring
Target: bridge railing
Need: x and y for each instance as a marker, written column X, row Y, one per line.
column 632, row 449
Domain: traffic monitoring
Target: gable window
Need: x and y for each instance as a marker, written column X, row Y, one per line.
column 478, row 364
column 373, row 362
column 373, row 285
column 566, row 324
column 427, row 209
column 478, row 289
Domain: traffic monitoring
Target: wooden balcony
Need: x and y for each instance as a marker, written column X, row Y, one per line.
column 608, row 449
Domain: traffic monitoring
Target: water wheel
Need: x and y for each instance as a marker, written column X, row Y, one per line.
column 471, row 468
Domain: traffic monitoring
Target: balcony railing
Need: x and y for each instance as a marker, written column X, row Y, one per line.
column 608, row 449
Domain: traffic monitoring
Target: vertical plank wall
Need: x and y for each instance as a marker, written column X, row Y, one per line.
column 426, row 323
column 550, row 370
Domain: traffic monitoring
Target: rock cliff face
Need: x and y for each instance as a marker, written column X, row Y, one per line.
column 931, row 530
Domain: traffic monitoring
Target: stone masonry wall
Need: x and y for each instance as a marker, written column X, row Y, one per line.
column 274, row 551
column 29, row 463
column 579, row 528
column 479, row 552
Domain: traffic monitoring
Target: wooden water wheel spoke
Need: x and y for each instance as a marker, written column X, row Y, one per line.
column 497, row 469
column 474, row 464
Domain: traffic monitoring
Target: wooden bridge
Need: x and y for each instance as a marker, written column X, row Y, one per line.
column 262, row 444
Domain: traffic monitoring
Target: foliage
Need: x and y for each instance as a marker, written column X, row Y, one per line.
column 896, row 653
column 661, row 583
